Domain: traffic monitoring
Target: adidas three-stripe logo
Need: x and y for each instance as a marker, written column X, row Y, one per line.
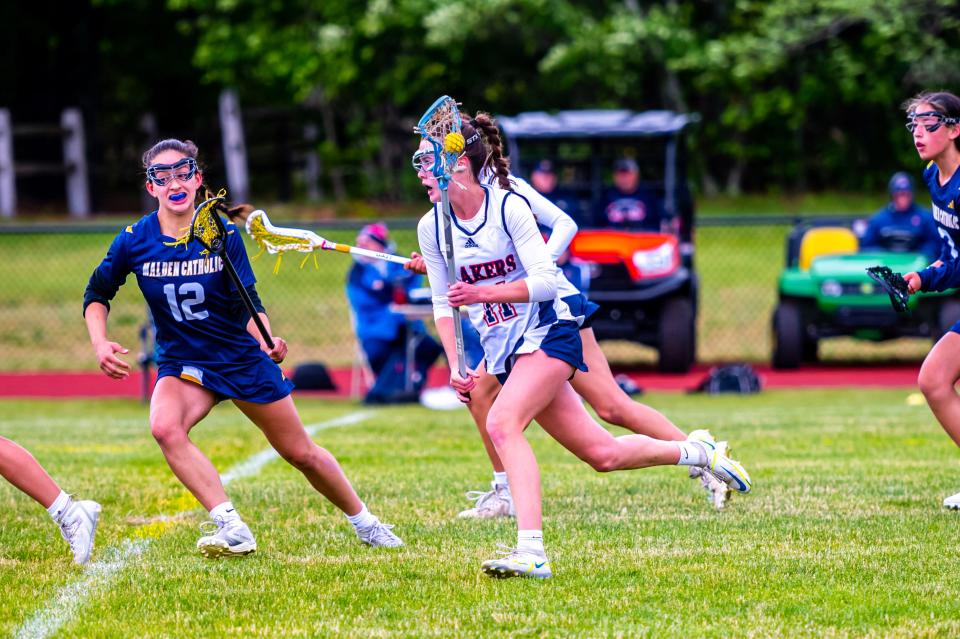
column 470, row 243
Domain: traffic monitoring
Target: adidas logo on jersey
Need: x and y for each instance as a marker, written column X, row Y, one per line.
column 470, row 243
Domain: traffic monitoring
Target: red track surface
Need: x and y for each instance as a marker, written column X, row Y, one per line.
column 95, row 384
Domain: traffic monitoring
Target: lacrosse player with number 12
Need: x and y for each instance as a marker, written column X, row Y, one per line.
column 209, row 348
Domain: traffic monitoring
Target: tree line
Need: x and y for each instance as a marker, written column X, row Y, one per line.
column 793, row 95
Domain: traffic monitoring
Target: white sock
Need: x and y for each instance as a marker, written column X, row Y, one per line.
column 59, row 505
column 692, row 454
column 531, row 541
column 363, row 519
column 500, row 480
column 224, row 512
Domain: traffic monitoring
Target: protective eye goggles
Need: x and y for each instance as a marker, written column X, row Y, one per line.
column 929, row 120
column 162, row 174
column 423, row 161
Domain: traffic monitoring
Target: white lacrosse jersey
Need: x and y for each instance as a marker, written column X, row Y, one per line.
column 500, row 244
column 562, row 227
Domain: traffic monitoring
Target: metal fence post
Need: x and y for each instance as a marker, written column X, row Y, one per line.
column 234, row 148
column 311, row 164
column 75, row 163
column 8, row 178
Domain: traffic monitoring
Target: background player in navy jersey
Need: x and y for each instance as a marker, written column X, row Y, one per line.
column 208, row 349
column 597, row 385
column 530, row 340
column 934, row 120
column 77, row 519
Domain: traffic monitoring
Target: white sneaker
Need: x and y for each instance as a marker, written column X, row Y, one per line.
column 78, row 525
column 728, row 470
column 518, row 563
column 231, row 538
column 718, row 493
column 497, row 502
column 952, row 502
column 378, row 535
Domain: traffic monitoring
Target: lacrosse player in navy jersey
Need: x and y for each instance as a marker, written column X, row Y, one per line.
column 531, row 341
column 934, row 120
column 208, row 349
column 77, row 519
column 597, row 385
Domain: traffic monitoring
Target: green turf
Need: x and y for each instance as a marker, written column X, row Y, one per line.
column 843, row 536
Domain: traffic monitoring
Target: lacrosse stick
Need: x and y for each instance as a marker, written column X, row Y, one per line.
column 894, row 285
column 278, row 240
column 208, row 229
column 440, row 126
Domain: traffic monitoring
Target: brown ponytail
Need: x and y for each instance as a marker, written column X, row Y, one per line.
column 486, row 149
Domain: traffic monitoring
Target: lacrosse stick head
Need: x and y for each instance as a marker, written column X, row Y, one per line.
column 279, row 240
column 440, row 126
column 206, row 226
column 893, row 284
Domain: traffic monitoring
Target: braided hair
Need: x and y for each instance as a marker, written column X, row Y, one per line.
column 484, row 148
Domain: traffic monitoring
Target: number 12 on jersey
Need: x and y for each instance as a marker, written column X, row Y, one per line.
column 192, row 294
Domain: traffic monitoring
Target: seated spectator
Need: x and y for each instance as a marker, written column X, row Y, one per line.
column 628, row 204
column 544, row 179
column 902, row 225
column 372, row 285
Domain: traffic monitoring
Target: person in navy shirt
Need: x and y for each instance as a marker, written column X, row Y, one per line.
column 372, row 285
column 207, row 349
column 902, row 225
column 629, row 204
column 934, row 120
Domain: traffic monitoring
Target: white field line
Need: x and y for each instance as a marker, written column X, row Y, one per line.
column 98, row 575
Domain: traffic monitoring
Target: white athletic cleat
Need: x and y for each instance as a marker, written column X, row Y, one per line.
column 718, row 493
column 78, row 525
column 518, row 563
column 952, row 502
column 229, row 538
column 378, row 535
column 497, row 502
column 728, row 470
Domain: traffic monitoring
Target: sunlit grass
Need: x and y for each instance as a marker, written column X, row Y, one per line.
column 844, row 535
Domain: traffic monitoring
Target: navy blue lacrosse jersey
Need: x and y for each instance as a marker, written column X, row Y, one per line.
column 200, row 327
column 944, row 202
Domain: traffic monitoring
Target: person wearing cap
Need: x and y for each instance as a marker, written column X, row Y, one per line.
column 628, row 203
column 372, row 285
column 543, row 178
column 902, row 225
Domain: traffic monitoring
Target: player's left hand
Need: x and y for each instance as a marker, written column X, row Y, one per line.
column 279, row 350
column 463, row 294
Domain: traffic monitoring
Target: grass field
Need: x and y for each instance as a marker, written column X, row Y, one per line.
column 45, row 276
column 843, row 536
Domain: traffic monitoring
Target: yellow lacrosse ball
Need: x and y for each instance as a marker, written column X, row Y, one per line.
column 454, row 142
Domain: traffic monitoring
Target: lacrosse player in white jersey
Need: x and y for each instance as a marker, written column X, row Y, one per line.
column 530, row 339
column 596, row 386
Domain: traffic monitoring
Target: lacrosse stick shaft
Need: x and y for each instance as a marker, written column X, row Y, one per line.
column 377, row 255
column 245, row 297
column 452, row 277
